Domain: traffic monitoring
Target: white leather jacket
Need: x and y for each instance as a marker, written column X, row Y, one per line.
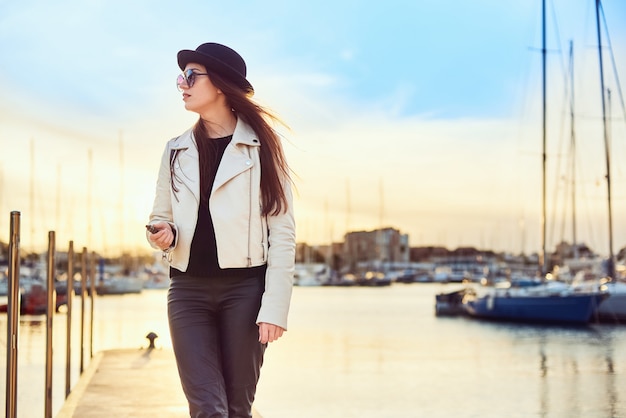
column 244, row 237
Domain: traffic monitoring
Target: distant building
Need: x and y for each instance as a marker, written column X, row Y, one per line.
column 380, row 250
column 309, row 253
column 427, row 253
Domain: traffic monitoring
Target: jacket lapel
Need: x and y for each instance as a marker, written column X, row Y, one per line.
column 237, row 158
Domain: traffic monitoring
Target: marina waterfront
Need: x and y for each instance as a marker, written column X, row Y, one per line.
column 374, row 352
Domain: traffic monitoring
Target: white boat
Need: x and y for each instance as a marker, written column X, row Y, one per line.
column 311, row 274
column 442, row 274
column 156, row 281
column 118, row 285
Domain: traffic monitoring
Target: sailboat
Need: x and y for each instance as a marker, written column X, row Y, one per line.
column 613, row 308
column 548, row 301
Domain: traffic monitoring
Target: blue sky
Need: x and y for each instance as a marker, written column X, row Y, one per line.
column 425, row 49
column 421, row 115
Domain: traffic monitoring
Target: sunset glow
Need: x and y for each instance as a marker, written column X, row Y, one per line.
column 398, row 116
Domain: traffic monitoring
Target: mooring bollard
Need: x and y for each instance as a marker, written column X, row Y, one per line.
column 151, row 337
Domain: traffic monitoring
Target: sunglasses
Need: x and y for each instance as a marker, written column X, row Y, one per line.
column 188, row 77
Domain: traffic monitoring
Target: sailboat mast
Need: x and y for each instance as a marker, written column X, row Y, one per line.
column 542, row 258
column 573, row 148
column 611, row 264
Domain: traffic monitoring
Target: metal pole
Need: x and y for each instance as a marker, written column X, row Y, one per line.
column 13, row 312
column 70, row 294
column 83, row 285
column 92, row 286
column 50, row 309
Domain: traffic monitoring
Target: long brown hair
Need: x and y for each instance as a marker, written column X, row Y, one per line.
column 274, row 168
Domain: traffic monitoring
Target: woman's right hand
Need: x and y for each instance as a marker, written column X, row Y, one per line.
column 163, row 237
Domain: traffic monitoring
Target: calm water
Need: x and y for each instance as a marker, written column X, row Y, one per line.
column 377, row 352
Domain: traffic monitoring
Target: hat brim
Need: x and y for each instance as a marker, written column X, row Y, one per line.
column 213, row 64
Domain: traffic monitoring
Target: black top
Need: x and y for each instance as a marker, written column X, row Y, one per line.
column 203, row 254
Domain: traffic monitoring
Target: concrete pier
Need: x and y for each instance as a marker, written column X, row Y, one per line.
column 128, row 383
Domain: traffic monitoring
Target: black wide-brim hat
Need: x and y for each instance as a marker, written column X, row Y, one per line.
column 219, row 59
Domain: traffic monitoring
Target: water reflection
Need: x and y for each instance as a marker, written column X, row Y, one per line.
column 575, row 367
column 611, row 385
column 437, row 367
column 544, row 394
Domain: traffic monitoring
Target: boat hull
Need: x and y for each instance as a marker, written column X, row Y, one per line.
column 574, row 308
column 451, row 304
column 613, row 308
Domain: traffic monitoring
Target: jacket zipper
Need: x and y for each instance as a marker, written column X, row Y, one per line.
column 250, row 213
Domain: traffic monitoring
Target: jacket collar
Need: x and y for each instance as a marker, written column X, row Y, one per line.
column 243, row 134
column 184, row 141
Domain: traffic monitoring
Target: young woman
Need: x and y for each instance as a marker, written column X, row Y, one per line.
column 223, row 217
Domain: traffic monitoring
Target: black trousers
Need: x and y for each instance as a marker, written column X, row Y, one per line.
column 216, row 342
